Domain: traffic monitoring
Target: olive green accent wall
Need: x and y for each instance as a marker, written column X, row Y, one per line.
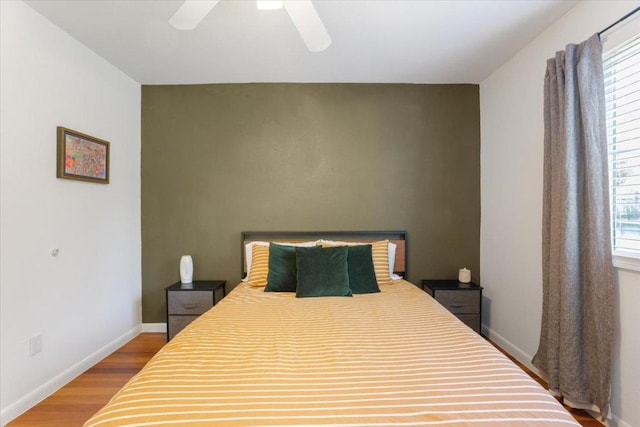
column 222, row 158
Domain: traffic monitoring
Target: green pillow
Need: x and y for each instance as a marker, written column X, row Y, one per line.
column 362, row 275
column 322, row 272
column 282, row 268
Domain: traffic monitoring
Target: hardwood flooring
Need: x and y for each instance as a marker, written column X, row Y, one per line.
column 74, row 403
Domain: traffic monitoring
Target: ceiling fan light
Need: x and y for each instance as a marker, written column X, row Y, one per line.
column 189, row 15
column 269, row 4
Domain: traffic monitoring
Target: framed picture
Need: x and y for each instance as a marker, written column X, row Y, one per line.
column 82, row 157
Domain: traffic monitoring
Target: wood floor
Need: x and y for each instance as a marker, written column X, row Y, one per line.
column 73, row 404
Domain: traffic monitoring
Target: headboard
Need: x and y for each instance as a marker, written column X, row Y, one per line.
column 397, row 237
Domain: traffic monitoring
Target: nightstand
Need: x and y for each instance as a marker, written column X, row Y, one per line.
column 187, row 301
column 462, row 299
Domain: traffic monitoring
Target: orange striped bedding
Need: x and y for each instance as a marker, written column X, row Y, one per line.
column 395, row 358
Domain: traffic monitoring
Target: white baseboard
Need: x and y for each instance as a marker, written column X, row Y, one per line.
column 522, row 356
column 154, row 327
column 616, row 422
column 26, row 402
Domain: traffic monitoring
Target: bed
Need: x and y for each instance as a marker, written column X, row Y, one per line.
column 389, row 358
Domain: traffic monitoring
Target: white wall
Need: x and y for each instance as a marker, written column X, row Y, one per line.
column 511, row 105
column 86, row 301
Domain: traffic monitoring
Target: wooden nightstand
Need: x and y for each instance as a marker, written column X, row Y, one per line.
column 462, row 299
column 185, row 302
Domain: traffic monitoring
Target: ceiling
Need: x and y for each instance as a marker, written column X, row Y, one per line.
column 373, row 41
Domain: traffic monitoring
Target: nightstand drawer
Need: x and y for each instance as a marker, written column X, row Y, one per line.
column 462, row 299
column 191, row 302
column 186, row 301
column 459, row 301
column 471, row 320
column 178, row 323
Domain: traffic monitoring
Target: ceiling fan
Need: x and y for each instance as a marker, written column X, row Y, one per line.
column 302, row 13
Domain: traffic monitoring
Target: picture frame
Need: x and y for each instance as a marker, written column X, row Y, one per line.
column 82, row 157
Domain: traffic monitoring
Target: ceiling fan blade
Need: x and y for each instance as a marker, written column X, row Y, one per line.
column 308, row 23
column 189, row 15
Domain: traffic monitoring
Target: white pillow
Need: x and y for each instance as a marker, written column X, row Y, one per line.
column 248, row 251
column 392, row 261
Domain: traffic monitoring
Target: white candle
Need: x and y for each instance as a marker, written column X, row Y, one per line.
column 464, row 275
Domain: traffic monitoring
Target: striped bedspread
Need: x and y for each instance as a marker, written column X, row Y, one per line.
column 396, row 358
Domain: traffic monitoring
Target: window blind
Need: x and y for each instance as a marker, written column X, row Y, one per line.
column 622, row 90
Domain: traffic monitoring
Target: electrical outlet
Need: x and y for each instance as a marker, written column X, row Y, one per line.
column 35, row 345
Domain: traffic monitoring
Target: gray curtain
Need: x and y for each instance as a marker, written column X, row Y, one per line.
column 577, row 317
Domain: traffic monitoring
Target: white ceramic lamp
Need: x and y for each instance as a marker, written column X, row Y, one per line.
column 186, row 269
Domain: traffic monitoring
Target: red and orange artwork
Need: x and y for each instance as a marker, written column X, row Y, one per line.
column 85, row 158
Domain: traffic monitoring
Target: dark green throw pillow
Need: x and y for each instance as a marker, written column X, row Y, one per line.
column 282, row 268
column 322, row 272
column 362, row 275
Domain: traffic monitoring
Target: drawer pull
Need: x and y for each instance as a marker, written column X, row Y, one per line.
column 456, row 305
column 189, row 306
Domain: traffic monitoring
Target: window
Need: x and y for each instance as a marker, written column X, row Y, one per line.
column 622, row 91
